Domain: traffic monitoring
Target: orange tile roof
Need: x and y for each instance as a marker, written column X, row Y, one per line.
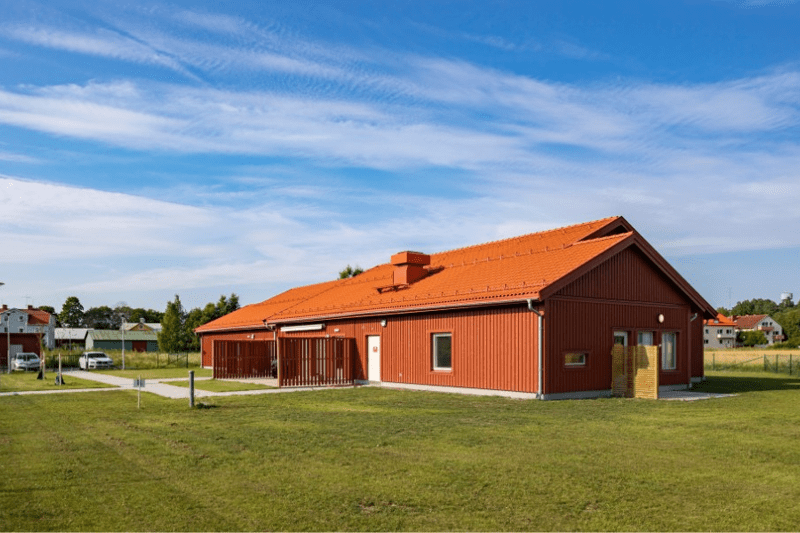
column 513, row 269
column 748, row 321
column 720, row 320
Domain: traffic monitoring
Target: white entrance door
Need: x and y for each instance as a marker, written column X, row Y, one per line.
column 374, row 358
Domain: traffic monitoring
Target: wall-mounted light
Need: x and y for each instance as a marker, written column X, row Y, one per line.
column 660, row 319
column 383, row 323
column 304, row 327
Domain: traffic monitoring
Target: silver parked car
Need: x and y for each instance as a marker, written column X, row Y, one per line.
column 25, row 361
column 94, row 360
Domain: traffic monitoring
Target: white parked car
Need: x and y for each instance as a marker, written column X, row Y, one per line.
column 94, row 360
column 25, row 361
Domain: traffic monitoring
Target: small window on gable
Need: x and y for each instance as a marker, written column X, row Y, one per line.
column 575, row 359
column 442, row 351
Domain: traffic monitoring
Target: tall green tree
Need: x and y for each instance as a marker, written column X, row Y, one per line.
column 71, row 315
column 99, row 317
column 172, row 338
column 756, row 306
column 349, row 272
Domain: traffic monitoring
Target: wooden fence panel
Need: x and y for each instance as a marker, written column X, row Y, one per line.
column 244, row 359
column 306, row 362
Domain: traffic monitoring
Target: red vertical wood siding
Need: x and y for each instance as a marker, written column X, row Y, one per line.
column 207, row 342
column 624, row 293
column 492, row 348
column 587, row 326
column 316, row 361
column 243, row 359
column 30, row 343
column 627, row 276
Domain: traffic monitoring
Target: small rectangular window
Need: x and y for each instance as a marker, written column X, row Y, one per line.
column 575, row 359
column 442, row 351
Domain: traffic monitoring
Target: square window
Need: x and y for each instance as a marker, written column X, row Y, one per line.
column 442, row 351
column 575, row 359
column 645, row 338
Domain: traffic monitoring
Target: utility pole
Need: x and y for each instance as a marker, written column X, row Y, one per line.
column 123, row 341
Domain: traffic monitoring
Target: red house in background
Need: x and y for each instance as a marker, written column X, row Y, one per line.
column 531, row 316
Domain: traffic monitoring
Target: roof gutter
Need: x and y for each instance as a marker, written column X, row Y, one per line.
column 375, row 312
column 540, row 392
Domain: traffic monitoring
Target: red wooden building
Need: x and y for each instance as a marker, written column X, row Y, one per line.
column 531, row 316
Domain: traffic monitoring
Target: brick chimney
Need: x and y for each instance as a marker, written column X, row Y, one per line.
column 409, row 267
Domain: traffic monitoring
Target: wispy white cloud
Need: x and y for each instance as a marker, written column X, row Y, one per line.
column 524, row 154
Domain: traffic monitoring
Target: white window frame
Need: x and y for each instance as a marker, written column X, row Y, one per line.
column 583, row 359
column 673, row 363
column 435, row 351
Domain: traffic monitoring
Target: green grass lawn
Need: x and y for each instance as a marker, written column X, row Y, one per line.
column 26, row 381
column 372, row 459
column 216, row 385
column 159, row 373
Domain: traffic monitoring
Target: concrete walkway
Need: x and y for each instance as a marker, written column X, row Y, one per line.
column 160, row 387
column 690, row 396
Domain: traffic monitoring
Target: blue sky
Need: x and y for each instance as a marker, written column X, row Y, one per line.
column 149, row 149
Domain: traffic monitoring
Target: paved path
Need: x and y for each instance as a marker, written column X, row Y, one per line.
column 160, row 387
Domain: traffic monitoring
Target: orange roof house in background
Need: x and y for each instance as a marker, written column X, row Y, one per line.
column 764, row 323
column 719, row 332
column 579, row 276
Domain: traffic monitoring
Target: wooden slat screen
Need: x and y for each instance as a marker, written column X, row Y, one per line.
column 244, row 359
column 316, row 362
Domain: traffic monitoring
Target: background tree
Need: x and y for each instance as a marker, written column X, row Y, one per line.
column 172, row 337
column 756, row 306
column 149, row 315
column 49, row 309
column 197, row 317
column 349, row 272
column 100, row 317
column 71, row 315
column 752, row 338
column 789, row 319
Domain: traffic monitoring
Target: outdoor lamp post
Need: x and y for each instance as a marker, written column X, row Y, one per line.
column 122, row 327
column 8, row 337
column 8, row 345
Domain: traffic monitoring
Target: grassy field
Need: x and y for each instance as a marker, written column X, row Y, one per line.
column 751, row 359
column 26, row 381
column 372, row 459
column 133, row 360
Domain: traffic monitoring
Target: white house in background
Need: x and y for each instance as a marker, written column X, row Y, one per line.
column 719, row 332
column 764, row 323
column 27, row 329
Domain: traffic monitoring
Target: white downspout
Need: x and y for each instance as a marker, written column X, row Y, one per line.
column 689, row 335
column 541, row 351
